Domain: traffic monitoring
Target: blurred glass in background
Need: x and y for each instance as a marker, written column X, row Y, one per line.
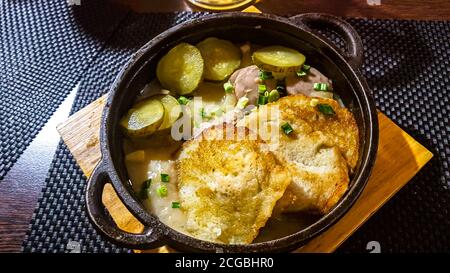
column 219, row 4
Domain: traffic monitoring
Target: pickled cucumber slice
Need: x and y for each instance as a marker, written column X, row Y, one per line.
column 221, row 58
column 172, row 110
column 278, row 59
column 181, row 69
column 143, row 119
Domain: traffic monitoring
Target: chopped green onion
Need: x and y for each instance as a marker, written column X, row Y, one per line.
column 147, row 183
column 176, row 205
column 273, row 96
column 287, row 128
column 145, row 187
column 301, row 73
column 265, row 75
column 262, row 100
column 262, row 88
column 183, row 100
column 281, row 87
column 164, row 177
column 266, row 94
column 242, row 102
column 228, row 87
column 325, row 109
column 320, row 86
column 212, row 113
column 161, row 191
column 216, row 112
column 203, row 113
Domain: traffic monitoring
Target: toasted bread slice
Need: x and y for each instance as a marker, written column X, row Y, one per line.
column 340, row 129
column 318, row 153
column 319, row 177
column 228, row 187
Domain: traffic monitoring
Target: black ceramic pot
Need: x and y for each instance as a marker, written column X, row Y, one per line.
column 298, row 32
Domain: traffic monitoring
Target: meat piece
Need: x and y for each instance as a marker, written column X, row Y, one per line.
column 246, row 81
column 305, row 85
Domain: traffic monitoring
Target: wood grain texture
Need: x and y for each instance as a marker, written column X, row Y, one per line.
column 398, row 9
column 85, row 142
column 399, row 158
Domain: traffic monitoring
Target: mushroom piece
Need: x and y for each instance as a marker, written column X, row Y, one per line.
column 305, row 85
column 246, row 81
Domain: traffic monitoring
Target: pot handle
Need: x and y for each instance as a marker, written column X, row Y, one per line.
column 320, row 21
column 103, row 222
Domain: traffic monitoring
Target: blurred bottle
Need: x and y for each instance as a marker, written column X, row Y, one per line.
column 219, row 4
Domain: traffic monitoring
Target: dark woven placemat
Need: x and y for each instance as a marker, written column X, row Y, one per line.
column 42, row 55
column 407, row 68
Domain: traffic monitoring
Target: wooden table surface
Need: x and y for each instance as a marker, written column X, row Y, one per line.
column 20, row 189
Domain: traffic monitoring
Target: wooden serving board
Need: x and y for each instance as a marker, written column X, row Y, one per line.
column 399, row 158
